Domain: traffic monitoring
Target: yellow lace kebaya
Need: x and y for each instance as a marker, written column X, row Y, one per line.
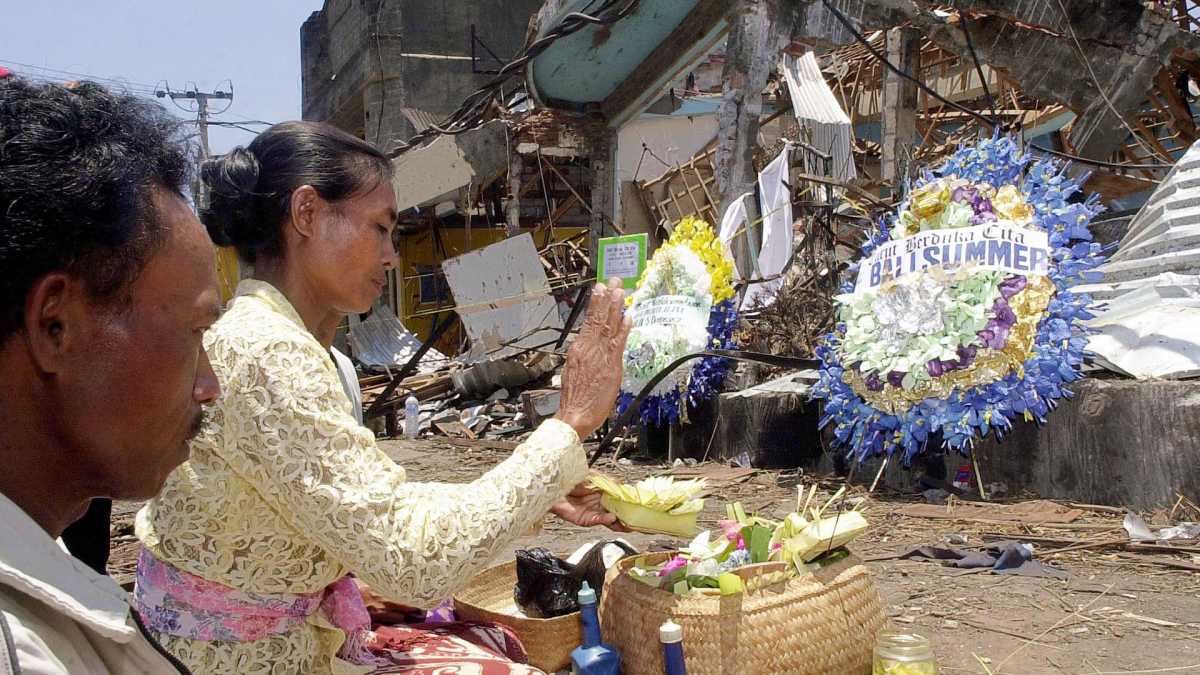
column 285, row 493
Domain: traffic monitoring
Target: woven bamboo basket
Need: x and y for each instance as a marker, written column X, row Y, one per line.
column 548, row 642
column 818, row 624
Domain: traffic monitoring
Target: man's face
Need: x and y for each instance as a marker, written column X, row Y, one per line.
column 133, row 387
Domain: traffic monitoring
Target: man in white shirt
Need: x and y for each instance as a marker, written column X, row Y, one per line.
column 108, row 283
column 349, row 378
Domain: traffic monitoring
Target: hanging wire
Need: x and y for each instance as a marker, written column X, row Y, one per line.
column 992, row 106
column 849, row 25
column 56, row 75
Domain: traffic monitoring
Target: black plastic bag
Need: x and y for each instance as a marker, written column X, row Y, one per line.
column 548, row 587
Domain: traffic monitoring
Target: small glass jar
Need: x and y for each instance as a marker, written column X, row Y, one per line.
column 903, row 654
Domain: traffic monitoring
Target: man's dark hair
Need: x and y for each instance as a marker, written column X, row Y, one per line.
column 77, row 167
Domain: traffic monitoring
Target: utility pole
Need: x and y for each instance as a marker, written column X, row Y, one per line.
column 201, row 98
column 229, row 272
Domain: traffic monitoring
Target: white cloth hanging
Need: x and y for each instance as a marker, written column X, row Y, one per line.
column 733, row 224
column 733, row 220
column 776, row 252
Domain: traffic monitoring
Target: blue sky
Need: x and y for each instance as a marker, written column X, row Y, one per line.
column 254, row 44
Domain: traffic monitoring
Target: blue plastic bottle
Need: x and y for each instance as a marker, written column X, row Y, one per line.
column 593, row 657
column 671, row 637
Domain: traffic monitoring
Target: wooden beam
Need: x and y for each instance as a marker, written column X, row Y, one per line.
column 554, row 170
column 562, row 209
column 1181, row 117
column 899, row 124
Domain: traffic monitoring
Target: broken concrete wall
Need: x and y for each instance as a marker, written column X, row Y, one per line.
column 1100, row 59
column 1117, row 442
column 364, row 61
column 774, row 423
column 334, row 67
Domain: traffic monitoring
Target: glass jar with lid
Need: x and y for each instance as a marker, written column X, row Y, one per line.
column 903, row 654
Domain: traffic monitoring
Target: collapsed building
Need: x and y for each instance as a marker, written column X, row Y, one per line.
column 677, row 107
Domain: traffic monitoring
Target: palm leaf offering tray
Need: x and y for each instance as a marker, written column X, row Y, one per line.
column 657, row 505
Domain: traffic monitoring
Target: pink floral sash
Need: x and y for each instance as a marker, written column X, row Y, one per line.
column 174, row 602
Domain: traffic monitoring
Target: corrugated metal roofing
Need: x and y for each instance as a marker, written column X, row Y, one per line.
column 819, row 112
column 1149, row 326
column 812, row 99
column 383, row 342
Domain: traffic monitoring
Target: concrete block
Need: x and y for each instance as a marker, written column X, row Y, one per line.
column 1118, row 442
column 541, row 404
column 774, row 423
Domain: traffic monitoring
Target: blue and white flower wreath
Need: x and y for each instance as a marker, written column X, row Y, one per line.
column 1032, row 388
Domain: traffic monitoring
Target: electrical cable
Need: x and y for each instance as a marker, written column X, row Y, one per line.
column 234, row 125
column 382, row 79
column 246, row 120
column 626, row 418
column 62, row 81
column 229, row 101
column 140, row 87
column 992, row 107
column 1099, row 162
column 849, row 25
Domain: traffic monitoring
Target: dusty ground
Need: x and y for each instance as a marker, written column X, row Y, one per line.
column 1119, row 612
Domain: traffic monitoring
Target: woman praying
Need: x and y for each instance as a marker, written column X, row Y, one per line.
column 248, row 548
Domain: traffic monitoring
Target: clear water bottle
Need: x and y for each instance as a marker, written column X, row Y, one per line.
column 903, row 654
column 412, row 417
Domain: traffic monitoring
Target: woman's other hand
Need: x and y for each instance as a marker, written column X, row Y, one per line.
column 582, row 507
column 591, row 378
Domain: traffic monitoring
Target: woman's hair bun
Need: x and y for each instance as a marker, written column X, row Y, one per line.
column 231, row 214
column 250, row 189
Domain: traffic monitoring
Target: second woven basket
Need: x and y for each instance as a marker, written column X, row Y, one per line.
column 824, row 623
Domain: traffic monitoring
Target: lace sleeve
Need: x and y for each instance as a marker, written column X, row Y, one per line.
column 287, row 433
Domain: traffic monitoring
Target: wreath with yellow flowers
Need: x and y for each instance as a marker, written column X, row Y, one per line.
column 683, row 304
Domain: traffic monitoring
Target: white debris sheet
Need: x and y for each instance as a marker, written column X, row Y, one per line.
column 1148, row 318
column 503, row 297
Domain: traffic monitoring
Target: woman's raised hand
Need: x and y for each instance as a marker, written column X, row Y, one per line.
column 591, row 378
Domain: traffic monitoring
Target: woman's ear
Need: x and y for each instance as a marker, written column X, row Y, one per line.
column 304, row 209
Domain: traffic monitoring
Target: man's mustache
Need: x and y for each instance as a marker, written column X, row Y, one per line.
column 201, row 420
